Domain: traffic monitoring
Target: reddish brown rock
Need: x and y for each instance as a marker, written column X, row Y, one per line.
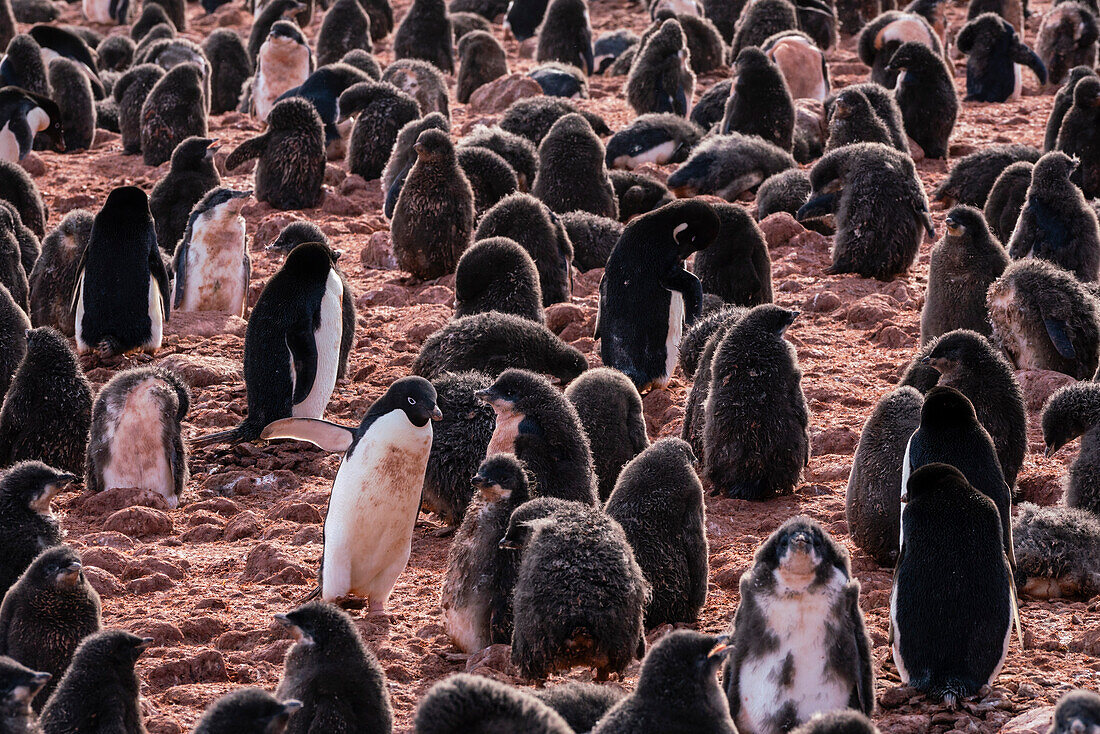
column 110, row 500
column 139, row 522
column 207, row 666
column 498, row 94
column 779, row 228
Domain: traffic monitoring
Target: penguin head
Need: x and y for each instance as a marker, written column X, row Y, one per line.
column 32, row 484
column 800, row 554
column 910, row 55
column 248, row 711
column 946, row 407
column 46, row 346
column 18, row 685
column 531, row 518
column 434, row 146
column 965, row 221
column 54, row 134
column 848, row 103
column 502, row 477
column 318, row 623
column 1065, row 415
column 233, row 199
column 693, row 224
column 194, row 153
column 682, row 663
column 123, row 203
column 930, row 478
column 286, row 32
column 297, row 233
column 110, row 653
column 1087, row 93
column 415, row 396
column 310, row 261
column 1078, row 712
column 58, row 567
column 750, row 60
column 514, row 389
column 1052, row 169
column 769, row 318
column 960, row 347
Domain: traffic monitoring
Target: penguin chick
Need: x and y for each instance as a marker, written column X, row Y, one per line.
column 695, row 341
column 491, row 178
column 230, row 67
column 332, row 673
column 579, row 594
column 854, row 121
column 753, row 357
column 994, row 59
column 425, row 33
column 638, row 193
column 532, row 118
column 433, row 220
column 152, row 15
column 678, row 689
column 48, row 375
column 1067, row 38
column 493, row 342
column 115, row 53
column 801, row 62
column 12, row 275
column 867, row 178
column 881, row 37
column 173, row 111
column 520, row 153
column 247, row 711
column 886, row 108
column 698, row 350
column 464, row 22
column 760, row 103
column 593, row 238
column 1063, row 100
column 477, row 587
column 291, row 156
column 18, row 189
column 926, row 84
column 647, row 266
column 711, row 105
column 27, row 523
column 73, row 95
column 972, row 177
column 380, row 13
column 403, row 155
column 346, row 26
column 18, row 685
column 22, row 66
column 736, row 266
column 1077, row 139
column 46, row 613
column 481, row 60
column 582, row 705
column 211, row 263
column 423, row 82
column 706, row 49
column 658, row 500
column 1057, row 224
column 1070, row 412
column 496, row 274
column 653, row 138
column 382, row 111
column 541, row 427
column 572, row 175
column 136, row 437
column 565, row 35
column 1045, row 319
column 191, row 175
column 129, row 93
column 528, row 221
column 285, row 61
column 474, row 704
column 838, row 722
column 1006, row 199
column 728, row 166
column 964, row 263
column 759, row 21
column 610, row 410
column 661, row 79
column 1076, row 711
column 1056, row 555
column 100, row 690
column 783, row 192
column 775, row 677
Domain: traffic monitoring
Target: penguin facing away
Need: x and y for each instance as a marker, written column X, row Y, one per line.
column 376, row 493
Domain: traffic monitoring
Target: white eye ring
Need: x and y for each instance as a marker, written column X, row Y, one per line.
column 411, row 401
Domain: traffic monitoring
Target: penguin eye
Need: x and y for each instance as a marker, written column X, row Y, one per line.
column 411, row 401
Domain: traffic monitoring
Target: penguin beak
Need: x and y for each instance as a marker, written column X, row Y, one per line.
column 145, row 644
column 506, row 544
column 1052, row 449
column 721, row 648
column 480, row 482
column 37, row 681
column 290, row 706
column 937, row 363
column 70, row 574
column 437, row 414
column 212, row 148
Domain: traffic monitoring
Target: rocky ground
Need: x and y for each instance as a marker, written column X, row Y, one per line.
column 204, row 580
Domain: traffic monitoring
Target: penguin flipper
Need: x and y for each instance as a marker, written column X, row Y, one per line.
column 1059, row 337
column 865, row 680
column 249, row 149
column 690, row 288
column 589, row 60
column 24, row 137
column 303, row 351
column 160, row 274
column 179, row 266
column 323, row 434
column 395, row 190
column 818, row 206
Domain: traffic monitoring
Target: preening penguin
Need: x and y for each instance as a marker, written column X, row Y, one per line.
column 610, row 410
column 756, row 450
column 760, row 103
column 1006, row 199
column 481, row 59
column 661, row 79
column 860, row 182
column 292, row 348
column 1063, row 100
column 247, row 711
column 375, row 496
column 283, row 63
column 872, row 506
column 678, row 689
column 949, row 640
column 565, row 35
column 174, row 111
column 136, row 438
column 382, row 111
column 1070, row 412
column 191, row 176
column 728, row 166
column 1078, row 139
column 572, row 175
column 736, row 266
column 1045, row 319
column 496, row 274
column 1056, row 550
column 972, row 177
column 1067, row 38
column 799, row 643
column 653, row 138
column 426, row 33
column 925, row 84
column 541, row 427
column 28, row 118
column 27, row 523
column 211, row 266
column 477, row 587
column 579, row 594
column 994, row 59
column 475, row 704
column 963, row 266
column 880, row 39
column 337, row 679
column 1057, row 224
column 647, row 266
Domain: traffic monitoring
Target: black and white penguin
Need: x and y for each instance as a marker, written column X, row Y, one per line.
column 129, row 93
column 728, row 166
column 995, row 59
column 524, row 17
column 653, row 138
column 376, row 493
column 661, row 79
column 756, row 449
column 736, row 266
column 496, row 274
column 46, row 614
column 77, row 110
column 191, row 175
column 760, row 102
column 1057, row 224
column 1006, row 199
column 565, row 35
column 560, row 80
column 337, row 679
column 382, row 111
column 174, row 110
column 136, row 437
column 647, row 266
column 247, row 711
column 678, row 689
column 291, row 156
column 273, row 11
column 572, row 174
column 18, row 686
column 475, row 704
column 284, row 62
column 880, row 39
column 53, row 278
column 1072, row 411
column 857, row 182
column 481, row 59
column 477, row 587
column 292, row 348
column 230, row 68
column 211, row 266
column 925, row 83
column 1063, row 100
column 425, row 33
column 345, row 27
column 27, row 524
column 964, row 263
column 799, row 643
column 1077, row 139
column 528, row 221
column 25, row 117
column 1067, row 37
column 579, row 595
column 972, row 177
column 949, row 641
column 54, row 41
column 115, row 316
column 22, row 66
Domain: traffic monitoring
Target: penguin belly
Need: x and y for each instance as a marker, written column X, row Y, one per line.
column 280, row 69
column 97, row 11
column 215, row 275
column 137, row 456
column 9, row 146
column 1014, row 340
column 503, row 440
column 156, row 318
column 78, row 321
column 327, row 338
column 895, row 645
column 465, row 601
column 801, row 625
column 374, row 502
column 672, row 339
column 657, row 154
